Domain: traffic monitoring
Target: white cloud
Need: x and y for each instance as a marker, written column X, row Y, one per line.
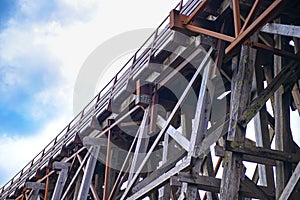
column 55, row 37
column 17, row 151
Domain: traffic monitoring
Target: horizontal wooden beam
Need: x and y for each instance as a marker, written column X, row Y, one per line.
column 35, row 185
column 282, row 29
column 262, row 152
column 60, row 165
column 220, row 151
column 205, row 183
column 212, row 184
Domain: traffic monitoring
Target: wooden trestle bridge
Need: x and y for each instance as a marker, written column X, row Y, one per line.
column 172, row 124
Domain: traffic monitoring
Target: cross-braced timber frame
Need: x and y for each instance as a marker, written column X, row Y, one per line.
column 148, row 134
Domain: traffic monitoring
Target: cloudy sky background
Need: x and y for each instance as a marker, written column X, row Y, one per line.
column 43, row 44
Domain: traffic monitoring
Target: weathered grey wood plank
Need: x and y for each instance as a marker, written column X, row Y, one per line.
column 266, row 175
column 175, row 134
column 90, row 167
column 62, row 178
column 287, row 74
column 283, row 140
column 281, row 29
column 141, row 146
column 262, row 152
column 219, row 151
column 212, row 184
column 255, row 189
column 35, row 189
column 181, row 99
column 160, row 180
column 240, row 97
column 202, row 113
column 290, row 186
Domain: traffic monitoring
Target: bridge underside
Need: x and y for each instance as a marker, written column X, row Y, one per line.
column 202, row 110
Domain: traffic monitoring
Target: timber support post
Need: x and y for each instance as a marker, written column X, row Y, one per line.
column 62, row 178
column 35, row 189
column 207, row 108
column 240, row 97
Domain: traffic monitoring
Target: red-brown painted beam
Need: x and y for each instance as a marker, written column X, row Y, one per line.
column 266, row 16
column 251, row 14
column 210, row 33
column 195, row 12
column 236, row 17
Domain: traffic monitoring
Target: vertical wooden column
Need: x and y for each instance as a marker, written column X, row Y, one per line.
column 199, row 128
column 141, row 146
column 62, row 178
column 164, row 192
column 202, row 113
column 153, row 111
column 283, row 138
column 192, row 193
column 186, row 130
column 262, row 135
column 112, row 174
column 46, row 195
column 208, row 170
column 236, row 17
column 90, row 167
column 35, row 189
column 143, row 98
column 240, row 96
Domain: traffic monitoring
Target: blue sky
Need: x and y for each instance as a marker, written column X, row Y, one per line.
column 7, row 9
column 42, row 47
column 26, row 68
column 29, row 75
